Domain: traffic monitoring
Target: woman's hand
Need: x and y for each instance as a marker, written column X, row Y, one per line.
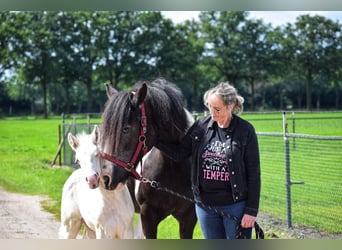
column 248, row 221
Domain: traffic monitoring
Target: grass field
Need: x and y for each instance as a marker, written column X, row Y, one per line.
column 28, row 145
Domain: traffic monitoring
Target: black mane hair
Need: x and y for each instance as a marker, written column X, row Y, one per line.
column 165, row 111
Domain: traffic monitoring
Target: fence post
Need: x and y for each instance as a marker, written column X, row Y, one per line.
column 63, row 133
column 287, row 172
column 88, row 122
column 59, row 141
column 293, row 129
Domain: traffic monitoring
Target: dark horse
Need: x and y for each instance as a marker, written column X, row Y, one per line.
column 133, row 121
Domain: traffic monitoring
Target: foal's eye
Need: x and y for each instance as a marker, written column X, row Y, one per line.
column 125, row 130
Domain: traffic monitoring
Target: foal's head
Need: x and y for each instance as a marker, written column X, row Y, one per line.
column 86, row 148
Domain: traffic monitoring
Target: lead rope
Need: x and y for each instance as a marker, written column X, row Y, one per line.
column 259, row 233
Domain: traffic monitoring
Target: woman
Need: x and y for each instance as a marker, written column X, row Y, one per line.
column 225, row 170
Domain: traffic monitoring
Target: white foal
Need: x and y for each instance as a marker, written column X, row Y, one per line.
column 105, row 213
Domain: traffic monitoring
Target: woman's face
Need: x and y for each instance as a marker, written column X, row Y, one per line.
column 217, row 107
column 220, row 112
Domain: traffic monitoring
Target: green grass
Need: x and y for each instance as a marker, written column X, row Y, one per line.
column 28, row 145
column 326, row 123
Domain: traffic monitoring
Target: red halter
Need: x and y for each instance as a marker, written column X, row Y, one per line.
column 129, row 166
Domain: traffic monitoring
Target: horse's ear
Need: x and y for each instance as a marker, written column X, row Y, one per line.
column 110, row 90
column 95, row 135
column 73, row 141
column 139, row 96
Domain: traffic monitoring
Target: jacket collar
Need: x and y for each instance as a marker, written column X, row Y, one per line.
column 231, row 127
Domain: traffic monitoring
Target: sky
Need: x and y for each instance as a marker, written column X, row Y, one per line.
column 276, row 18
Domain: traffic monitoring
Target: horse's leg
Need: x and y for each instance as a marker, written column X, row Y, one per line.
column 150, row 219
column 187, row 222
column 131, row 188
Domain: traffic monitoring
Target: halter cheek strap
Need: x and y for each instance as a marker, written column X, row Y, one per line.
column 129, row 166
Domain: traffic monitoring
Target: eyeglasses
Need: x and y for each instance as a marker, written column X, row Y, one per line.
column 216, row 110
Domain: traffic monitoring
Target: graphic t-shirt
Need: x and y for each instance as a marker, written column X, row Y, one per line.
column 214, row 175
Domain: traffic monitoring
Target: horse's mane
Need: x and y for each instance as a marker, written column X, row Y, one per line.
column 167, row 114
column 167, row 106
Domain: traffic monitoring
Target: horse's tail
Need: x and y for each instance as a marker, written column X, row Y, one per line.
column 138, row 231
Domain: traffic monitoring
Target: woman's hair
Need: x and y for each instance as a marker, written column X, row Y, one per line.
column 228, row 94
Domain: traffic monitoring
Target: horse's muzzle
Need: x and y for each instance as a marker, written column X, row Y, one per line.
column 107, row 181
column 93, row 181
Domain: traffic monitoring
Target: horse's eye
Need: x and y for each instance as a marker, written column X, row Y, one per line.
column 125, row 130
column 77, row 162
column 104, row 166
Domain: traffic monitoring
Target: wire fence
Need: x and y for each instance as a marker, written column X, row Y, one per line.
column 302, row 179
column 75, row 124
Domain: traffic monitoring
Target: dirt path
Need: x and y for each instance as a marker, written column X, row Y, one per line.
column 22, row 217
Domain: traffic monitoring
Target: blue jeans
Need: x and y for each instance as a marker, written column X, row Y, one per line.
column 216, row 226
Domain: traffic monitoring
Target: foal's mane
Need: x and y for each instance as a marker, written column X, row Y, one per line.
column 83, row 137
column 164, row 109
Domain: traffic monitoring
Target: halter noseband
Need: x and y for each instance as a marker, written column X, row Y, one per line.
column 129, row 166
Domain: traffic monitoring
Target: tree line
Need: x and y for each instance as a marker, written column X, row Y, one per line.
column 54, row 62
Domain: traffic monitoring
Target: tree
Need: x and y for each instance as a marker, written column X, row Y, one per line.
column 66, row 73
column 115, row 32
column 63, row 58
column 190, row 63
column 238, row 48
column 256, row 55
column 285, row 67
column 38, row 63
column 87, row 56
column 315, row 37
column 176, row 52
column 222, row 32
column 11, row 49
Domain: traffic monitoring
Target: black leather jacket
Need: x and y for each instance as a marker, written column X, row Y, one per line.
column 242, row 155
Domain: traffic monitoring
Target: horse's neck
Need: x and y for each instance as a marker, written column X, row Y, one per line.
column 164, row 134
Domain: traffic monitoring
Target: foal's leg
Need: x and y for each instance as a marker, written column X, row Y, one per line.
column 138, row 231
column 70, row 228
column 89, row 233
column 100, row 234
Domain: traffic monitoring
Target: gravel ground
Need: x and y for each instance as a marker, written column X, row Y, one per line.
column 275, row 228
column 22, row 217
